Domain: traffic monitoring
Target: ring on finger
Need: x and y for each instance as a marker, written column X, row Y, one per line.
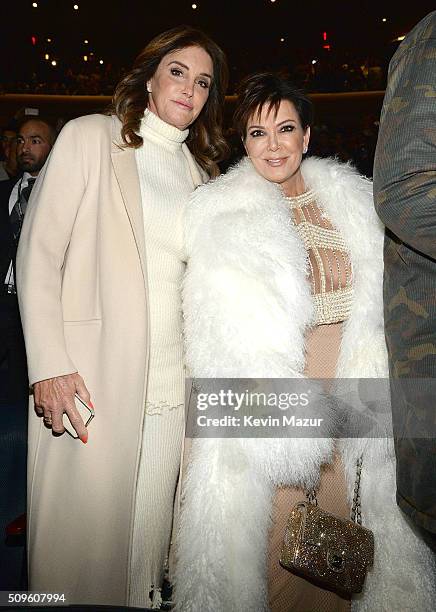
column 47, row 420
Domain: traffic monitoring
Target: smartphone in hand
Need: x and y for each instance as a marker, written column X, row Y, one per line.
column 85, row 411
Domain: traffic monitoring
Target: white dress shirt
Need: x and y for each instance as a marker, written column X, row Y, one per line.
column 19, row 185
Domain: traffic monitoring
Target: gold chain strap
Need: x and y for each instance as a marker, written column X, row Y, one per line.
column 311, row 497
column 356, row 512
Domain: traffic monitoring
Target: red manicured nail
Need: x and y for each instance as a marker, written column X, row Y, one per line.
column 91, row 404
column 84, row 438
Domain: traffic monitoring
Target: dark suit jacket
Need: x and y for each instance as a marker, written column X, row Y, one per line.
column 405, row 199
column 6, row 236
column 13, row 405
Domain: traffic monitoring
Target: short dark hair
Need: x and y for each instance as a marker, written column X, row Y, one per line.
column 269, row 88
column 41, row 119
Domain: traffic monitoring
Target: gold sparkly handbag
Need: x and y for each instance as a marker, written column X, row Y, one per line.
column 332, row 552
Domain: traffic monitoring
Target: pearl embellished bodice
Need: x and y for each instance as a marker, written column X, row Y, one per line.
column 329, row 262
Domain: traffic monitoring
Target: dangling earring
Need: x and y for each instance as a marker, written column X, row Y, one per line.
column 304, row 150
column 148, row 88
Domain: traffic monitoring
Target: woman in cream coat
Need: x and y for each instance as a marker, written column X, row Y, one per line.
column 249, row 315
column 99, row 515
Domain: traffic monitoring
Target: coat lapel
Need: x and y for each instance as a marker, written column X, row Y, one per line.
column 124, row 164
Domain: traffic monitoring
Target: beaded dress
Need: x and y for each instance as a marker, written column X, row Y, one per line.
column 330, row 276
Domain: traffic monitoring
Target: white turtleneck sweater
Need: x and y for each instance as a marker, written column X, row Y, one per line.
column 166, row 184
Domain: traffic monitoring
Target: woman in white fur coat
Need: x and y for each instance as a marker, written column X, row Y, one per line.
column 285, row 279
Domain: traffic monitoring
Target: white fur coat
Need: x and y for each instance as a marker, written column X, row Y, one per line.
column 247, row 307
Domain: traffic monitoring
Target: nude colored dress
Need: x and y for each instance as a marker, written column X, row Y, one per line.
column 331, row 279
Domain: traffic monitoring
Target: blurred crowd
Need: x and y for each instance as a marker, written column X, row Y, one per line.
column 330, row 76
column 328, row 73
column 92, row 81
column 354, row 144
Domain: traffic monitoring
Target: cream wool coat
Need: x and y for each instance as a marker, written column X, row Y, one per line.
column 247, row 304
column 82, row 278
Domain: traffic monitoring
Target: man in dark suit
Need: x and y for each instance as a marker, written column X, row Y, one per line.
column 12, row 352
column 34, row 142
column 405, row 199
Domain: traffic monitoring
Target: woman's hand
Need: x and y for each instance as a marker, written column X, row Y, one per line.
column 55, row 396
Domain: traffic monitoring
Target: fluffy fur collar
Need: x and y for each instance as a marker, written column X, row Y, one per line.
column 243, row 245
column 247, row 307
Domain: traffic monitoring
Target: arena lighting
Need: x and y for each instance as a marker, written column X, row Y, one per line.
column 384, row 19
column 76, row 7
column 54, row 63
column 48, row 39
column 33, row 39
column 194, row 6
column 324, row 35
column 282, row 40
column 400, row 38
column 86, row 41
column 85, row 58
column 46, row 56
column 101, row 62
column 314, row 61
column 35, row 4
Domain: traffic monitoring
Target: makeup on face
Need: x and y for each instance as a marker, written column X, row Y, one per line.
column 275, row 142
column 180, row 86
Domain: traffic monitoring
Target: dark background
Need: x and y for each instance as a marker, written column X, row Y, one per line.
column 248, row 30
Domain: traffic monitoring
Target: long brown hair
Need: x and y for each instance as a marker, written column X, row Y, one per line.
column 205, row 141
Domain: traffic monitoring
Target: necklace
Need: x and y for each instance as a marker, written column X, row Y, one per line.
column 301, row 200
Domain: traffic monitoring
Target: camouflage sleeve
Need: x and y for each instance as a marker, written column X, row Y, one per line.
column 405, row 162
